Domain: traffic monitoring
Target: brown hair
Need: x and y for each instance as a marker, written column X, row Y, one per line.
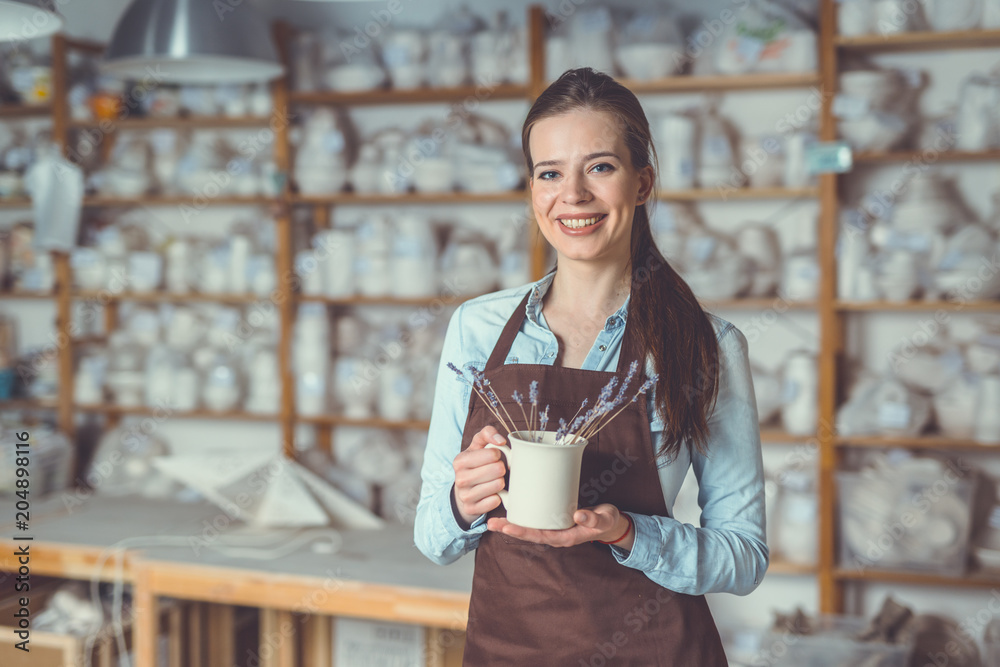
column 671, row 324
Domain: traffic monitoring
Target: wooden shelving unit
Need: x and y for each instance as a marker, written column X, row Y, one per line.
column 165, row 297
column 15, row 203
column 194, row 201
column 145, row 411
column 919, row 41
column 930, row 441
column 353, row 199
column 834, row 312
column 924, row 156
column 916, row 306
column 831, row 312
column 414, row 96
column 724, row 83
column 9, row 111
column 728, row 194
column 175, row 122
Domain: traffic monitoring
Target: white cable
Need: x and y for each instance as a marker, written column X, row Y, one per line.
column 118, row 550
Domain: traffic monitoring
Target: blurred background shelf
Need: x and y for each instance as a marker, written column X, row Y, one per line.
column 372, row 422
column 971, row 580
column 920, row 41
column 351, row 199
column 720, row 83
column 166, row 297
column 15, row 202
column 25, row 110
column 919, row 442
column 916, row 306
column 727, row 194
column 177, row 122
column 27, row 295
column 192, row 201
column 414, row 96
column 925, row 156
column 120, row 410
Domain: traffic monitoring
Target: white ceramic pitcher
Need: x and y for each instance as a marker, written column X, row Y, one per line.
column 544, row 479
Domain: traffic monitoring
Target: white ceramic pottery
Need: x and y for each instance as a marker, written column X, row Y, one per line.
column 544, row 480
column 988, row 419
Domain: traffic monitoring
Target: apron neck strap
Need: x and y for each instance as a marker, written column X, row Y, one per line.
column 628, row 352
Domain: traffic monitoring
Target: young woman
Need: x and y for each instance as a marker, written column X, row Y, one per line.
column 561, row 597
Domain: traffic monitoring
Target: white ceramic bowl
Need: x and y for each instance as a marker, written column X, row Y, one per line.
column 434, row 175
column 873, row 133
column 879, row 87
column 354, row 78
column 647, row 61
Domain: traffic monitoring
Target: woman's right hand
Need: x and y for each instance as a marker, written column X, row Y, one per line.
column 479, row 476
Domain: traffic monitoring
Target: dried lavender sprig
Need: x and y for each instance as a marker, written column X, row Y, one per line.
column 633, row 367
column 533, row 399
column 497, row 402
column 478, row 385
column 561, row 431
column 543, row 421
column 642, row 390
column 518, row 398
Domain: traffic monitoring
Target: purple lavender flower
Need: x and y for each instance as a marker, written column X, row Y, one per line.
column 561, row 431
column 460, row 374
column 633, row 367
column 544, row 418
column 517, row 397
column 533, row 392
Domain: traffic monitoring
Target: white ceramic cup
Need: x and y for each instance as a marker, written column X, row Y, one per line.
column 544, row 480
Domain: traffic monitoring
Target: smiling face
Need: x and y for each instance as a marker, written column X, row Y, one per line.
column 584, row 189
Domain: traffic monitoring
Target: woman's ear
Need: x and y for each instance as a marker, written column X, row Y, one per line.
column 645, row 185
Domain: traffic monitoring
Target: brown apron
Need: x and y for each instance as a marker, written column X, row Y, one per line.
column 537, row 605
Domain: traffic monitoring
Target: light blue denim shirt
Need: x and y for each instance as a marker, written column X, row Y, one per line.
column 728, row 553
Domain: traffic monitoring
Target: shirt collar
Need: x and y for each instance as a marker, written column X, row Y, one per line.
column 533, row 309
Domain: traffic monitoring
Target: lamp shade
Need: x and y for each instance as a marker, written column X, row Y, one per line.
column 191, row 41
column 28, row 19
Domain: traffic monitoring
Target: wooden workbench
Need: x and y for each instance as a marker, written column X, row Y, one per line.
column 374, row 574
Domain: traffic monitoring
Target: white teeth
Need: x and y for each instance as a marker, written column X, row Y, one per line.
column 583, row 222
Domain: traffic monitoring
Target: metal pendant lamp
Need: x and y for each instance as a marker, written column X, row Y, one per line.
column 28, row 19
column 191, row 41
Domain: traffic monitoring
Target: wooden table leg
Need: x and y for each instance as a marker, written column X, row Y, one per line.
column 277, row 638
column 317, row 641
column 196, row 634
column 146, row 624
column 221, row 635
column 175, row 634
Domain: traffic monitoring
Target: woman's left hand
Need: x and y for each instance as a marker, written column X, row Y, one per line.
column 603, row 522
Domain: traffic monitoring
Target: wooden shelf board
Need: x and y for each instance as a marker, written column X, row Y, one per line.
column 731, row 194
column 971, row 580
column 920, row 442
column 237, row 415
column 915, row 306
column 27, row 295
column 416, row 96
column 15, row 202
column 175, row 122
column 25, row 110
column 446, row 299
column 696, row 84
column 194, row 201
column 777, row 435
column 920, row 41
column 373, row 422
column 878, row 157
column 166, row 297
column 762, row 303
column 348, row 199
column 792, row 569
column 27, row 404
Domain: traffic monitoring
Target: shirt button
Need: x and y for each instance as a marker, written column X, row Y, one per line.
column 551, row 354
column 602, row 347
